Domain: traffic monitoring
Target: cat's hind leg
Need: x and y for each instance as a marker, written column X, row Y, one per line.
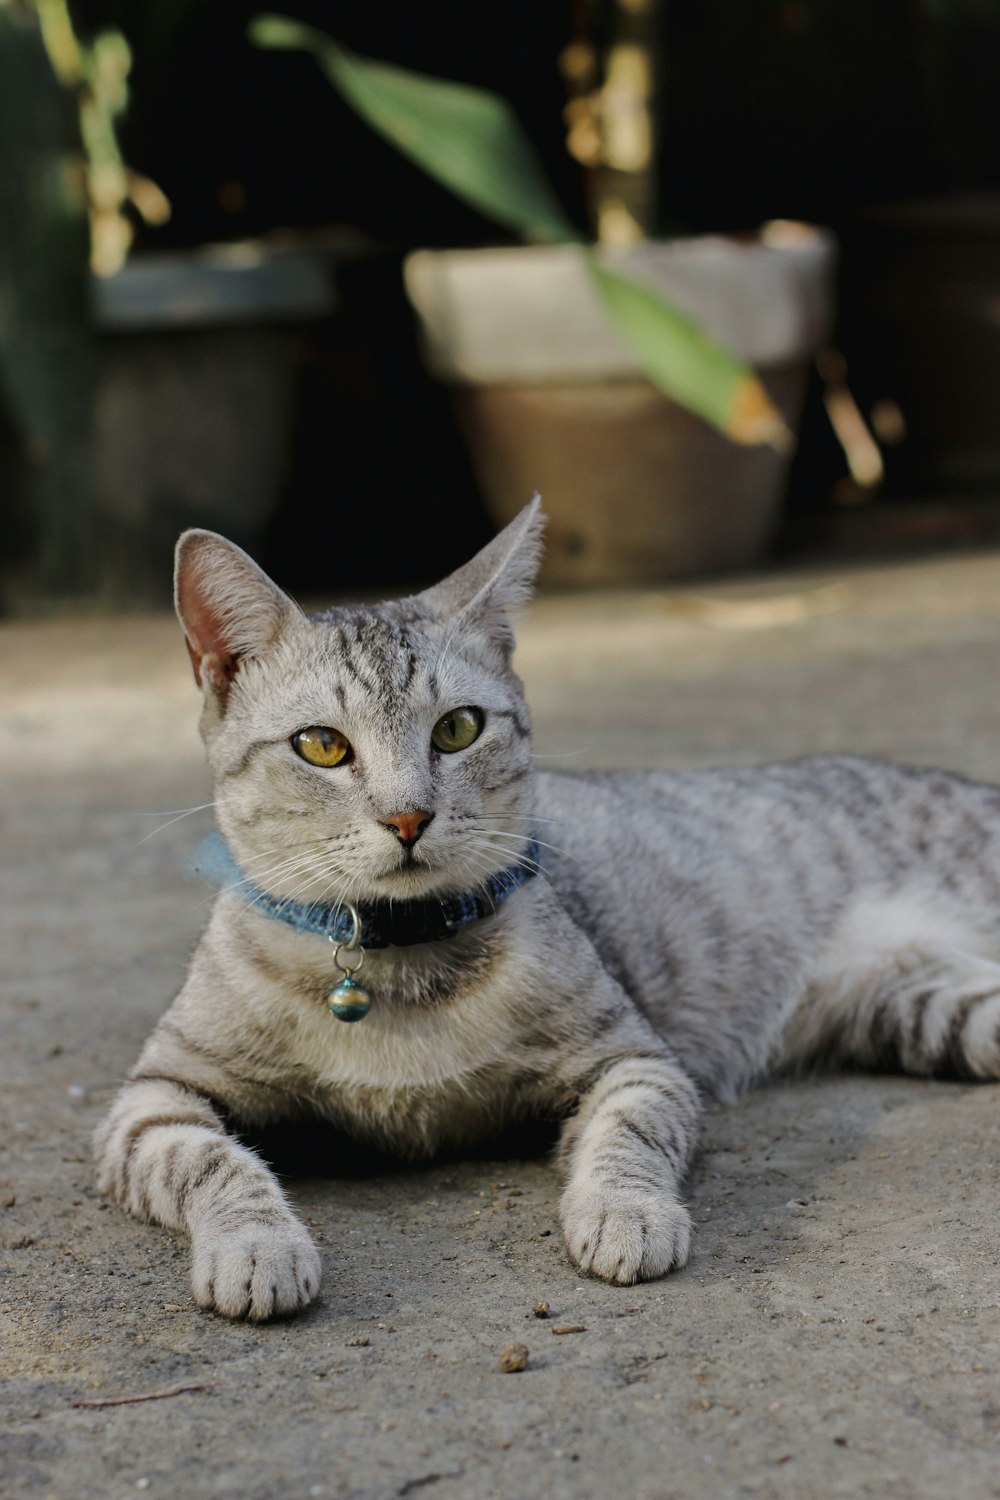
column 902, row 985
column 163, row 1153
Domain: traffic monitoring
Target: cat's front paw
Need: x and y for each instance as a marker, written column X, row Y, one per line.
column 624, row 1233
column 255, row 1271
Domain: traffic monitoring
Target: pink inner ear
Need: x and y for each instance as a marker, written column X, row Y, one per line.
column 229, row 609
column 211, row 656
column 217, row 671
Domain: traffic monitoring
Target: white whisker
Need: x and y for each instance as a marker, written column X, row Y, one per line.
column 533, row 868
column 171, row 818
column 558, row 754
column 519, row 838
column 521, row 817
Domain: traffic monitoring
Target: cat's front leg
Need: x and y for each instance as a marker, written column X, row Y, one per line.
column 627, row 1151
column 163, row 1153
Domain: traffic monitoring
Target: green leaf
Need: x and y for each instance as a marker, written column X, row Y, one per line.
column 686, row 363
column 467, row 138
column 470, row 140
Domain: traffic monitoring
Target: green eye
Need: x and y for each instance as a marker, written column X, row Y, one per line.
column 321, row 746
column 457, row 730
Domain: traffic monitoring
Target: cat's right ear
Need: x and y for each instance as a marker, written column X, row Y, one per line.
column 229, row 608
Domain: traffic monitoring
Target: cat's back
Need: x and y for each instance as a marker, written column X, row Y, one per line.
column 840, row 813
column 708, row 889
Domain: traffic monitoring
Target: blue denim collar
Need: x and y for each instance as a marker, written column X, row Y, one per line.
column 383, row 924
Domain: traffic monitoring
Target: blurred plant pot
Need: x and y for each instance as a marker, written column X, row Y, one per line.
column 194, row 399
column 186, row 367
column 636, row 488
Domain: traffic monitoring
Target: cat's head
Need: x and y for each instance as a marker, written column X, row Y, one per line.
column 366, row 753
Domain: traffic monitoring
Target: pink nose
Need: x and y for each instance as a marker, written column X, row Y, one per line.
column 408, row 826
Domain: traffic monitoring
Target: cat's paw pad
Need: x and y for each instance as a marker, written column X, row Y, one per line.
column 624, row 1233
column 255, row 1271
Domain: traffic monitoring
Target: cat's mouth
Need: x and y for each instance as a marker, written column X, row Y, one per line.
column 405, row 861
column 409, row 860
column 407, row 868
column 409, row 878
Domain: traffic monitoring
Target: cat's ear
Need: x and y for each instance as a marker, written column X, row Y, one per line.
column 229, row 608
column 482, row 592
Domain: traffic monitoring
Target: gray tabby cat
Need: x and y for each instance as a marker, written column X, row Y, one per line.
column 691, row 932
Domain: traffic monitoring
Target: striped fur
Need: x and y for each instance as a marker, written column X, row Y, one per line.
column 689, row 934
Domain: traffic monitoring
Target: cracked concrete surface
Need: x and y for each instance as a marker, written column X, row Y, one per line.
column 837, row 1332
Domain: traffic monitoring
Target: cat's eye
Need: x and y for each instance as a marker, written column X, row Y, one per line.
column 457, row 730
column 321, row 746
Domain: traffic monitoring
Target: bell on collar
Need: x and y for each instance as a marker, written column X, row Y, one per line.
column 348, row 1000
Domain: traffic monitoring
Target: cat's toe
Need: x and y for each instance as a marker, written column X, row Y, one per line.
column 625, row 1234
column 257, row 1272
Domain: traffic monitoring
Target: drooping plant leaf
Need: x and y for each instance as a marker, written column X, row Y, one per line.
column 467, row 138
column 470, row 140
column 686, row 362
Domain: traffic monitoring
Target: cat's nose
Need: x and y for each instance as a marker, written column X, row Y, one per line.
column 408, row 826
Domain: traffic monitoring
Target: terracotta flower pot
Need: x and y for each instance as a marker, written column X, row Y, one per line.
column 636, row 488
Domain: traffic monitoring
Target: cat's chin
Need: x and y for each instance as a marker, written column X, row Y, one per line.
column 408, row 882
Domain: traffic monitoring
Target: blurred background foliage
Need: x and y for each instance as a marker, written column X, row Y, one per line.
column 813, row 108
column 162, row 122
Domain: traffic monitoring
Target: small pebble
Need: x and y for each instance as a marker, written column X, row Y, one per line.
column 8, row 1200
column 540, row 1310
column 513, row 1357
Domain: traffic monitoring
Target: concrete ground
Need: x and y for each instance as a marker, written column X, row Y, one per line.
column 837, row 1332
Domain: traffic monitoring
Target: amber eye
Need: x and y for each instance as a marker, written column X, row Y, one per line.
column 321, row 746
column 457, row 729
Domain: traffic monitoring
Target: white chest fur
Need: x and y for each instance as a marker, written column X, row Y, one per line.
column 439, row 1015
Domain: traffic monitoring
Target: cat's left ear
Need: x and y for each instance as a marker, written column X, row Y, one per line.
column 229, row 608
column 482, row 592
